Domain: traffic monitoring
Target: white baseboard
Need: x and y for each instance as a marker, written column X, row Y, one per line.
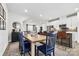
column 3, row 50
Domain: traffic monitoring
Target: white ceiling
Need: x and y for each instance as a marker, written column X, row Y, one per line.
column 48, row 10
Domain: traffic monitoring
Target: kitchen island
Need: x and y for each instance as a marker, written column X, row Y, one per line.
column 73, row 38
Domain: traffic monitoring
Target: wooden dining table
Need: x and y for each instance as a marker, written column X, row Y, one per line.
column 34, row 39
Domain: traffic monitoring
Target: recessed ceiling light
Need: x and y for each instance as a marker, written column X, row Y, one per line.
column 26, row 10
column 41, row 15
column 76, row 9
column 50, row 17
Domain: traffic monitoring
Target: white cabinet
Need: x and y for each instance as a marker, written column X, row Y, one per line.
column 74, row 38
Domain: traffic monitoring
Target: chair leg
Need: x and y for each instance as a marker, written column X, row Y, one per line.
column 37, row 52
column 29, row 53
column 49, row 54
column 23, row 54
column 53, row 53
column 46, row 55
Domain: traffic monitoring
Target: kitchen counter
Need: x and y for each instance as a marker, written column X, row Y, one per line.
column 74, row 37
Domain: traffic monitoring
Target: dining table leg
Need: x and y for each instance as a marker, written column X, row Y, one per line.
column 32, row 49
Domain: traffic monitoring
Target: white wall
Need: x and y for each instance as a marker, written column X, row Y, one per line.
column 30, row 28
column 72, row 22
column 78, row 26
column 55, row 23
column 4, row 34
column 18, row 18
column 44, row 27
column 14, row 18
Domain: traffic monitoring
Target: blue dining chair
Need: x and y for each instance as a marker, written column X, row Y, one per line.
column 49, row 46
column 24, row 45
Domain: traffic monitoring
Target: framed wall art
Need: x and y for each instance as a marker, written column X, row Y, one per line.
column 2, row 18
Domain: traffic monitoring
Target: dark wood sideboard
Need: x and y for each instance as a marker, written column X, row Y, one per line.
column 14, row 36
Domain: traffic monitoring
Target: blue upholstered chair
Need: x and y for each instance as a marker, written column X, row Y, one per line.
column 24, row 45
column 49, row 46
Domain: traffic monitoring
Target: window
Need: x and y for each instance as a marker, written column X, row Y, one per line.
column 2, row 18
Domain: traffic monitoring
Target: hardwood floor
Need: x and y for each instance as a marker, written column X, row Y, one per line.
column 13, row 50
